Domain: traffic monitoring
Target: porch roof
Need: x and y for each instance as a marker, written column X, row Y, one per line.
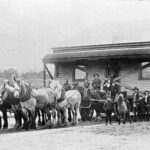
column 95, row 52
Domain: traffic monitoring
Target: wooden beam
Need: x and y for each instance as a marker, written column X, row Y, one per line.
column 132, row 71
column 49, row 72
column 80, row 68
column 44, row 76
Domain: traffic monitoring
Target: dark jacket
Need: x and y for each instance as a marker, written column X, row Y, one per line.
column 108, row 105
column 96, row 84
column 135, row 97
column 146, row 100
column 66, row 86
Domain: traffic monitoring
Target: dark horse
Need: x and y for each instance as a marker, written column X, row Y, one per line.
column 6, row 100
column 4, row 108
column 21, row 93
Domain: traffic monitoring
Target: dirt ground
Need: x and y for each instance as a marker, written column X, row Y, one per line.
column 86, row 136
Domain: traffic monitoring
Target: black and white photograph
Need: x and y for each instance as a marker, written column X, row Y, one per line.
column 74, row 74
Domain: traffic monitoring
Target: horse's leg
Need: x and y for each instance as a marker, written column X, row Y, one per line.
column 0, row 122
column 73, row 113
column 43, row 117
column 119, row 119
column 32, row 118
column 5, row 118
column 59, row 123
column 25, row 118
column 39, row 117
column 69, row 115
column 54, row 114
column 65, row 112
column 18, row 122
column 49, row 115
column 124, row 118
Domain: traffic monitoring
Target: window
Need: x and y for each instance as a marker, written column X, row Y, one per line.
column 79, row 75
column 145, row 72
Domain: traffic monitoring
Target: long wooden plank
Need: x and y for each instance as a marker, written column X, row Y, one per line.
column 132, row 71
column 80, row 68
column 97, row 100
column 49, row 72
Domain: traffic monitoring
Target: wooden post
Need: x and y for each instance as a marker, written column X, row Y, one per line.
column 44, row 75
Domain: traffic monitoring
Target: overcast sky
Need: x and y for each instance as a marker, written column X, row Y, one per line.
column 30, row 28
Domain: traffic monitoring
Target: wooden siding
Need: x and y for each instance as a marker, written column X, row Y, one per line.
column 133, row 79
column 65, row 71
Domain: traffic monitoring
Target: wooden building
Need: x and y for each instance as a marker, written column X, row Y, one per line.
column 128, row 61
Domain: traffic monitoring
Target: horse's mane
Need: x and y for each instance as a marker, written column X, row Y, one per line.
column 25, row 93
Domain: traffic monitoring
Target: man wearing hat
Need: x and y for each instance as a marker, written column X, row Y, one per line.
column 134, row 101
column 96, row 84
column 146, row 100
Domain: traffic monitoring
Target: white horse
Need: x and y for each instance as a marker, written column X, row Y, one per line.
column 72, row 99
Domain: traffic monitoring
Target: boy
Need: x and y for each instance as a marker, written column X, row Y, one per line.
column 108, row 107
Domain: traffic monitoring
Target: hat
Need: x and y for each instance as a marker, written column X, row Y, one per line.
column 146, row 91
column 96, row 75
column 135, row 88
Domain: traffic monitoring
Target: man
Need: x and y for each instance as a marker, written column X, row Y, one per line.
column 135, row 94
column 134, row 101
column 67, row 86
column 96, row 84
column 86, row 87
column 108, row 107
column 146, row 100
column 86, row 84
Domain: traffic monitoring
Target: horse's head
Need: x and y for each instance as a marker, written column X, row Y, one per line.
column 17, row 85
column 55, row 85
column 120, row 98
column 5, row 92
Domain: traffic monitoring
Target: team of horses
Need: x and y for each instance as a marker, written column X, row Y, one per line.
column 26, row 102
column 57, row 105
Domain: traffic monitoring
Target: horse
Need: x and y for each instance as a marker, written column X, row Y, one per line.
column 69, row 99
column 46, row 102
column 122, row 109
column 4, row 107
column 21, row 91
column 8, row 102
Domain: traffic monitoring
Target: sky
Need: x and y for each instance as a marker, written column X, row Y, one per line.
column 30, row 28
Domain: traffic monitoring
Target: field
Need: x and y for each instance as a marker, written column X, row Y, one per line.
column 85, row 136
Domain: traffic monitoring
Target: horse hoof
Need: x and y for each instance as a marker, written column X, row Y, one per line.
column 5, row 128
column 66, row 124
column 40, row 123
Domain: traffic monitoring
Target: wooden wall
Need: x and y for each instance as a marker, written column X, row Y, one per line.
column 133, row 79
column 65, row 71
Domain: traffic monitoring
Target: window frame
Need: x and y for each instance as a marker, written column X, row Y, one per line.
column 79, row 80
column 141, row 73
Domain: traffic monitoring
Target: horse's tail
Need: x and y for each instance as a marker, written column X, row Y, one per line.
column 78, row 106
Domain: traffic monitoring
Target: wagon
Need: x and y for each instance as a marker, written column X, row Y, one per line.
column 88, row 106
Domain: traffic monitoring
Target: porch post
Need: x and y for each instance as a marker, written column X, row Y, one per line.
column 44, row 75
